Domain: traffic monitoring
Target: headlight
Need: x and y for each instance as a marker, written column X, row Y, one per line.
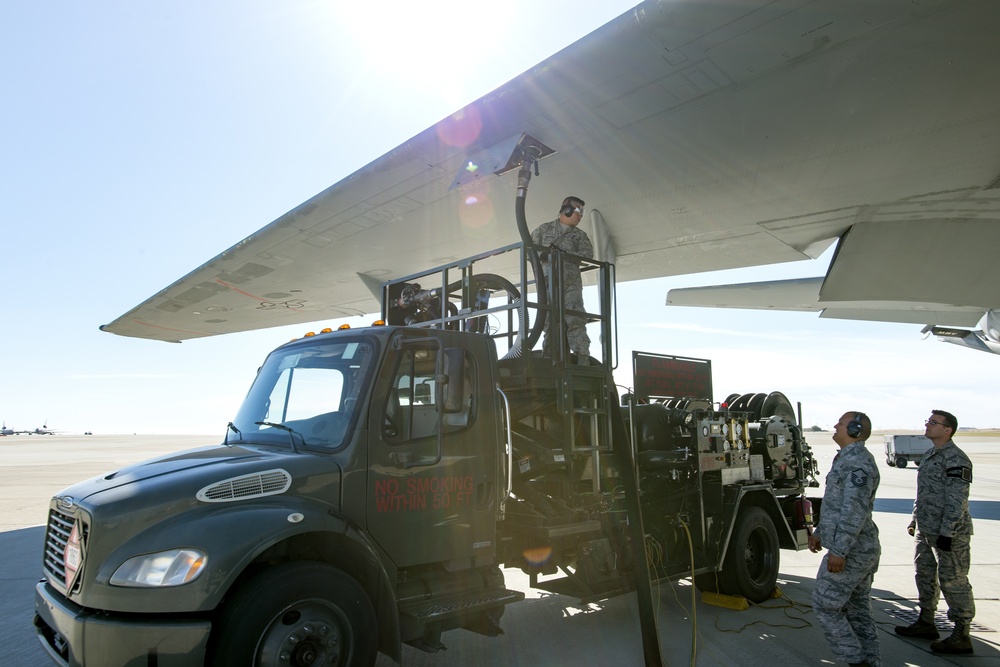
column 166, row 568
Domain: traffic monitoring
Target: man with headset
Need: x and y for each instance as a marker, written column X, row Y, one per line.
column 564, row 234
column 842, row 596
column 943, row 528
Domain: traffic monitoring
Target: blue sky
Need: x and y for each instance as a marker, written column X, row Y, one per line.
column 142, row 139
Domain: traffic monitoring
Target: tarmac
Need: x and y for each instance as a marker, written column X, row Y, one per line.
column 550, row 629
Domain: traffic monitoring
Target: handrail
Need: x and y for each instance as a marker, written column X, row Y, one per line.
column 510, row 448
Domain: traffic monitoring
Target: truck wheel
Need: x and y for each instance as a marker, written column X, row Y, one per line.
column 900, row 462
column 750, row 568
column 296, row 614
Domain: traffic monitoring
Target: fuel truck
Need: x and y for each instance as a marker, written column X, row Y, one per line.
column 376, row 481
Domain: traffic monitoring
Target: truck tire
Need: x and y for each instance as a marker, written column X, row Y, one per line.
column 297, row 614
column 750, row 567
column 900, row 462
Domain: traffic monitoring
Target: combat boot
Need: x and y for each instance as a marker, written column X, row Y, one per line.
column 958, row 643
column 923, row 627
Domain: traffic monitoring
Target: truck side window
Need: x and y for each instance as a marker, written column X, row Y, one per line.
column 411, row 410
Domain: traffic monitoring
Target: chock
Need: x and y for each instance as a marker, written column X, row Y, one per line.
column 737, row 602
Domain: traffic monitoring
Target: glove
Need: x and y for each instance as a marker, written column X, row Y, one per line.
column 943, row 543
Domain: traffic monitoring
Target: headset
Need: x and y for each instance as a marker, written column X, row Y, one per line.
column 568, row 207
column 854, row 427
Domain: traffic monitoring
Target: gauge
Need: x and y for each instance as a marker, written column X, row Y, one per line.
column 725, row 429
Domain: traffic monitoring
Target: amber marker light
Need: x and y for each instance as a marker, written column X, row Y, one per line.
column 344, row 326
column 378, row 323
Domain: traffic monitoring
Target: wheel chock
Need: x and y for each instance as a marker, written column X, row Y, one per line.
column 736, row 602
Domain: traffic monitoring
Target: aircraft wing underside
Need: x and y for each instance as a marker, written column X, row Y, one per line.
column 922, row 272
column 703, row 136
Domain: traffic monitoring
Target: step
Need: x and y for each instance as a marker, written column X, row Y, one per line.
column 446, row 607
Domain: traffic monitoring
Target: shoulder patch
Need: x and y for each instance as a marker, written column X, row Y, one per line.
column 859, row 477
column 962, row 472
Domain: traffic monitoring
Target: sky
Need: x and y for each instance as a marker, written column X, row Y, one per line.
column 142, row 139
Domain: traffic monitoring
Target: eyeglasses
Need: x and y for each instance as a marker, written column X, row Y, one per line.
column 931, row 422
column 580, row 210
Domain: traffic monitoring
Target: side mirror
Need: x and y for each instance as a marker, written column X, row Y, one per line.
column 454, row 380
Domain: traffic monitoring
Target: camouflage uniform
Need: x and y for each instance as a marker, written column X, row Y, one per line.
column 942, row 508
column 574, row 241
column 842, row 600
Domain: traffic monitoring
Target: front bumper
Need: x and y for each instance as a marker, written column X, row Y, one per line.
column 75, row 636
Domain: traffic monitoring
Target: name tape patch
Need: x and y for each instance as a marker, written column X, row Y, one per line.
column 962, row 472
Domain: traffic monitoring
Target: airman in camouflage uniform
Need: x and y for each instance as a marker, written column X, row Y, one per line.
column 842, row 596
column 943, row 529
column 564, row 234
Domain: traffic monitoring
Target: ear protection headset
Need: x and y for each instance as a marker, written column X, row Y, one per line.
column 854, row 426
column 568, row 206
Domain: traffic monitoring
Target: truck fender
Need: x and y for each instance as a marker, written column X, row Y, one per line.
column 761, row 496
column 334, row 539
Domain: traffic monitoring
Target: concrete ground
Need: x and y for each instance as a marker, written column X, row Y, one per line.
column 549, row 629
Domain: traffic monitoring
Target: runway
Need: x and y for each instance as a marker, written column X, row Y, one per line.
column 549, row 629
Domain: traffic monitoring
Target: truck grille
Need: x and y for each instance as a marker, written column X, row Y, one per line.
column 56, row 537
column 267, row 483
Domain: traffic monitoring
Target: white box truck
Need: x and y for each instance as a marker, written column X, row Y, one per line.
column 899, row 449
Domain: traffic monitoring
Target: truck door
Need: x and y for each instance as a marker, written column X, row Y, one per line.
column 432, row 494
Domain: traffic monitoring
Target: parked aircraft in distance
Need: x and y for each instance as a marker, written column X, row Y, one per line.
column 703, row 136
column 41, row 430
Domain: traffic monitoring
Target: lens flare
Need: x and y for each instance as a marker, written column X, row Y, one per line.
column 538, row 555
column 461, row 129
column 476, row 211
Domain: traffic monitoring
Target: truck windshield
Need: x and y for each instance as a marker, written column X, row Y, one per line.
column 307, row 392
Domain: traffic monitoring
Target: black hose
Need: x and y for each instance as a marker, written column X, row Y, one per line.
column 541, row 288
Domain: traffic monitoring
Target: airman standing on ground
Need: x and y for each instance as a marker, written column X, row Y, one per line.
column 842, row 596
column 943, row 528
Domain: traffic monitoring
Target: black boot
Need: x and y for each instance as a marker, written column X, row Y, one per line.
column 923, row 627
column 958, row 643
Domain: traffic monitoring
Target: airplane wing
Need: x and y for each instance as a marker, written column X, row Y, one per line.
column 937, row 272
column 702, row 135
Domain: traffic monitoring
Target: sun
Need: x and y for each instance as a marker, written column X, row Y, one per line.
column 439, row 45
